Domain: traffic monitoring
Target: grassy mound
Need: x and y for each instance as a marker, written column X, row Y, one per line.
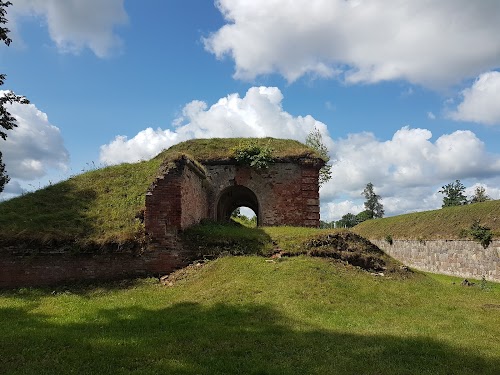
column 215, row 239
column 244, row 315
column 100, row 208
column 445, row 223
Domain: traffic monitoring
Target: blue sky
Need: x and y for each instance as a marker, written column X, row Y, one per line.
column 406, row 93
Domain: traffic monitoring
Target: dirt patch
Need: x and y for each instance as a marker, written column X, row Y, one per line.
column 350, row 248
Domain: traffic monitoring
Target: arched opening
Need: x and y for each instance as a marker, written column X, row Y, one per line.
column 244, row 216
column 234, row 197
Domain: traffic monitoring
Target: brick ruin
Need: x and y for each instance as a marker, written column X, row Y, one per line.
column 285, row 193
column 184, row 193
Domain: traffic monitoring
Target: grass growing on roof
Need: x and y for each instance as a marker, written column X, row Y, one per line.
column 245, row 315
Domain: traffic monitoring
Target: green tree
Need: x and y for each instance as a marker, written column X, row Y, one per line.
column 315, row 141
column 363, row 216
column 373, row 208
column 347, row 221
column 7, row 121
column 454, row 194
column 479, row 195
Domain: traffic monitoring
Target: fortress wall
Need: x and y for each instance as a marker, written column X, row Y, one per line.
column 461, row 258
column 50, row 269
column 288, row 193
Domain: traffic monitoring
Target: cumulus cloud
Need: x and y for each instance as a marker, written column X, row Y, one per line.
column 407, row 170
column 422, row 41
column 34, row 147
column 480, row 102
column 77, row 24
column 258, row 114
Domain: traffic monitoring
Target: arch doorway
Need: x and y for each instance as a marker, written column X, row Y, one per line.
column 234, row 197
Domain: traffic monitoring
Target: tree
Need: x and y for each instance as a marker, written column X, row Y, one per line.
column 479, row 195
column 363, row 216
column 7, row 121
column 315, row 141
column 373, row 207
column 347, row 221
column 454, row 194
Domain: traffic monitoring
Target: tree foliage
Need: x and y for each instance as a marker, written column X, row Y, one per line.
column 7, row 121
column 479, row 195
column 347, row 221
column 373, row 208
column 454, row 194
column 315, row 141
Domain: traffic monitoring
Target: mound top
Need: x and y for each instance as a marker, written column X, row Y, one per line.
column 220, row 150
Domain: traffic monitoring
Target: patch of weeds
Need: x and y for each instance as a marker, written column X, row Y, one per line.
column 254, row 155
column 480, row 233
column 421, row 241
column 389, row 239
column 483, row 285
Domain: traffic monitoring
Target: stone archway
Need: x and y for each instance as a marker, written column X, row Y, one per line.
column 233, row 197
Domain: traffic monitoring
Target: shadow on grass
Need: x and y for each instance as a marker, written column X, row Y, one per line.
column 211, row 239
column 189, row 338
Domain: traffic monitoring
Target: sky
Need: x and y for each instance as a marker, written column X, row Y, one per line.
column 406, row 93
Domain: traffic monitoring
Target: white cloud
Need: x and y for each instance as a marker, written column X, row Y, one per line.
column 34, row 147
column 258, row 114
column 431, row 115
column 422, row 41
column 407, row 170
column 481, row 101
column 77, row 24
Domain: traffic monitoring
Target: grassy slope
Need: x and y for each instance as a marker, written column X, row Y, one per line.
column 100, row 206
column 245, row 315
column 445, row 223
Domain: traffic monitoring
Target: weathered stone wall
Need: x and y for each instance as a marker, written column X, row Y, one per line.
column 450, row 257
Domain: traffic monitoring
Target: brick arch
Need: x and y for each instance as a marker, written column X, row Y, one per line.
column 233, row 197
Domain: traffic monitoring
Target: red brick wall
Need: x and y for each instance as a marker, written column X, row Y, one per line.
column 50, row 269
column 174, row 202
column 288, row 193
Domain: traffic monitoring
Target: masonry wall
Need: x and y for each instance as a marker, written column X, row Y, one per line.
column 288, row 193
column 175, row 201
column 466, row 259
column 50, row 269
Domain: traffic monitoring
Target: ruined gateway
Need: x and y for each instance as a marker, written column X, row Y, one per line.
column 284, row 193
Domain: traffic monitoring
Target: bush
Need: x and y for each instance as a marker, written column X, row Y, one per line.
column 481, row 233
column 255, row 156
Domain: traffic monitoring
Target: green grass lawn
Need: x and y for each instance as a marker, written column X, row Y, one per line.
column 298, row 315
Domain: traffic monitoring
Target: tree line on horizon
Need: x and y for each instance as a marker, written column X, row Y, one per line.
column 454, row 195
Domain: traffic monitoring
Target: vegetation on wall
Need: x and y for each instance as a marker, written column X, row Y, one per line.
column 253, row 155
column 480, row 233
column 315, row 141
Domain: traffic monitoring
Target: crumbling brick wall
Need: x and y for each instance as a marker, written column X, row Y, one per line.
column 285, row 193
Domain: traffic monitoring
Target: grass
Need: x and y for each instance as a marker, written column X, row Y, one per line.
column 445, row 223
column 100, row 208
column 222, row 149
column 245, row 315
